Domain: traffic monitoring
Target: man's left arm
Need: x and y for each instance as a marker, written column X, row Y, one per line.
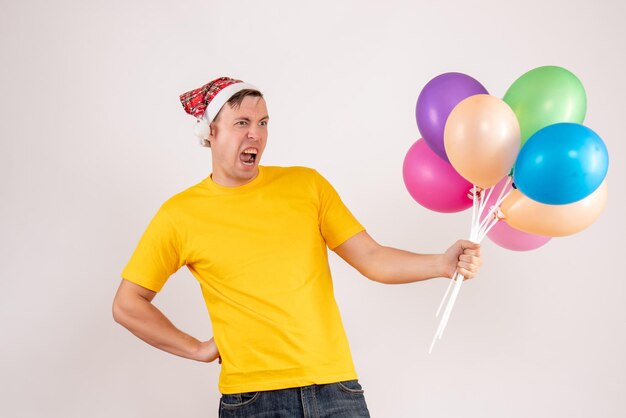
column 393, row 266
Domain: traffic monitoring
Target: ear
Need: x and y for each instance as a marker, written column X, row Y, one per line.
column 212, row 131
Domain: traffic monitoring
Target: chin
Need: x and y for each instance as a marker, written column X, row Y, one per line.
column 247, row 173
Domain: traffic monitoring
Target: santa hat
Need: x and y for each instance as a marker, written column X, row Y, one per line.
column 205, row 102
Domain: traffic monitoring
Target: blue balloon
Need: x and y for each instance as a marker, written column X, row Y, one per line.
column 561, row 163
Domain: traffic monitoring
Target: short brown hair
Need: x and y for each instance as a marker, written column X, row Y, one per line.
column 236, row 99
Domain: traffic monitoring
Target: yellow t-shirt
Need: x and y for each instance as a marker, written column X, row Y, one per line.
column 259, row 254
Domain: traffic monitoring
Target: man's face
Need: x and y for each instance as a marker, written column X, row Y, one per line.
column 238, row 138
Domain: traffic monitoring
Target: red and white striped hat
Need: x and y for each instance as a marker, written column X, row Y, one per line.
column 205, row 102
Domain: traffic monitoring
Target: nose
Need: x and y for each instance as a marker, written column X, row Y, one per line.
column 254, row 132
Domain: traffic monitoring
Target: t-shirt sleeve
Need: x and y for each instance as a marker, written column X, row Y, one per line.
column 337, row 223
column 158, row 254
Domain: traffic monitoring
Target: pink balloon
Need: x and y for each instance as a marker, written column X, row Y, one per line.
column 504, row 234
column 432, row 182
column 510, row 238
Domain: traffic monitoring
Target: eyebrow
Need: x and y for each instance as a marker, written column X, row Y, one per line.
column 248, row 119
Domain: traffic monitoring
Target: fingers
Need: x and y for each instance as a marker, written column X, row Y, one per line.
column 470, row 247
column 469, row 261
column 208, row 352
column 467, row 270
column 468, row 258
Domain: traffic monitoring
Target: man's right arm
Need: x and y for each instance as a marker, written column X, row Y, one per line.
column 133, row 309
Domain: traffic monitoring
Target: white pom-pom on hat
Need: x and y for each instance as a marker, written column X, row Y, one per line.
column 202, row 130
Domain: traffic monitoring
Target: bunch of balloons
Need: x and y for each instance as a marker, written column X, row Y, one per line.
column 530, row 147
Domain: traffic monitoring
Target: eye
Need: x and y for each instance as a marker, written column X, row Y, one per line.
column 241, row 123
column 263, row 123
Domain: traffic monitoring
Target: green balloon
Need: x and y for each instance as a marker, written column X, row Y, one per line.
column 544, row 96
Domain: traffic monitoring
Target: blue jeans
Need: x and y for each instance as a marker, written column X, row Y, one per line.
column 334, row 400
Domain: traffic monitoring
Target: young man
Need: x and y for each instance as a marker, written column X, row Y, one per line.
column 256, row 237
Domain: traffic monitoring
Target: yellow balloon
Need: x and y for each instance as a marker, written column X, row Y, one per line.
column 482, row 139
column 533, row 217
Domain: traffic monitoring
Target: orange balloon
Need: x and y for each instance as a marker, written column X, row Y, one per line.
column 527, row 215
column 482, row 139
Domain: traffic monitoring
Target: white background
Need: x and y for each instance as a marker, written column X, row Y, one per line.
column 94, row 139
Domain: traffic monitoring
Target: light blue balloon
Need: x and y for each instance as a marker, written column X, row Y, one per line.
column 561, row 163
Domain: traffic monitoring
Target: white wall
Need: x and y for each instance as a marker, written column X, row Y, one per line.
column 94, row 139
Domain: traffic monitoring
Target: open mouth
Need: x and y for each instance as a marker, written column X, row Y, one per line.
column 248, row 156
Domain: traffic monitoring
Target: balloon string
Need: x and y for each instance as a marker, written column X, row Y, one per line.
column 484, row 229
column 474, row 204
column 481, row 200
column 486, row 219
column 494, row 208
column 457, row 288
column 484, row 203
column 479, row 195
column 447, row 311
column 458, row 280
column 446, row 294
column 483, row 233
column 506, row 184
column 479, row 230
column 501, row 197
